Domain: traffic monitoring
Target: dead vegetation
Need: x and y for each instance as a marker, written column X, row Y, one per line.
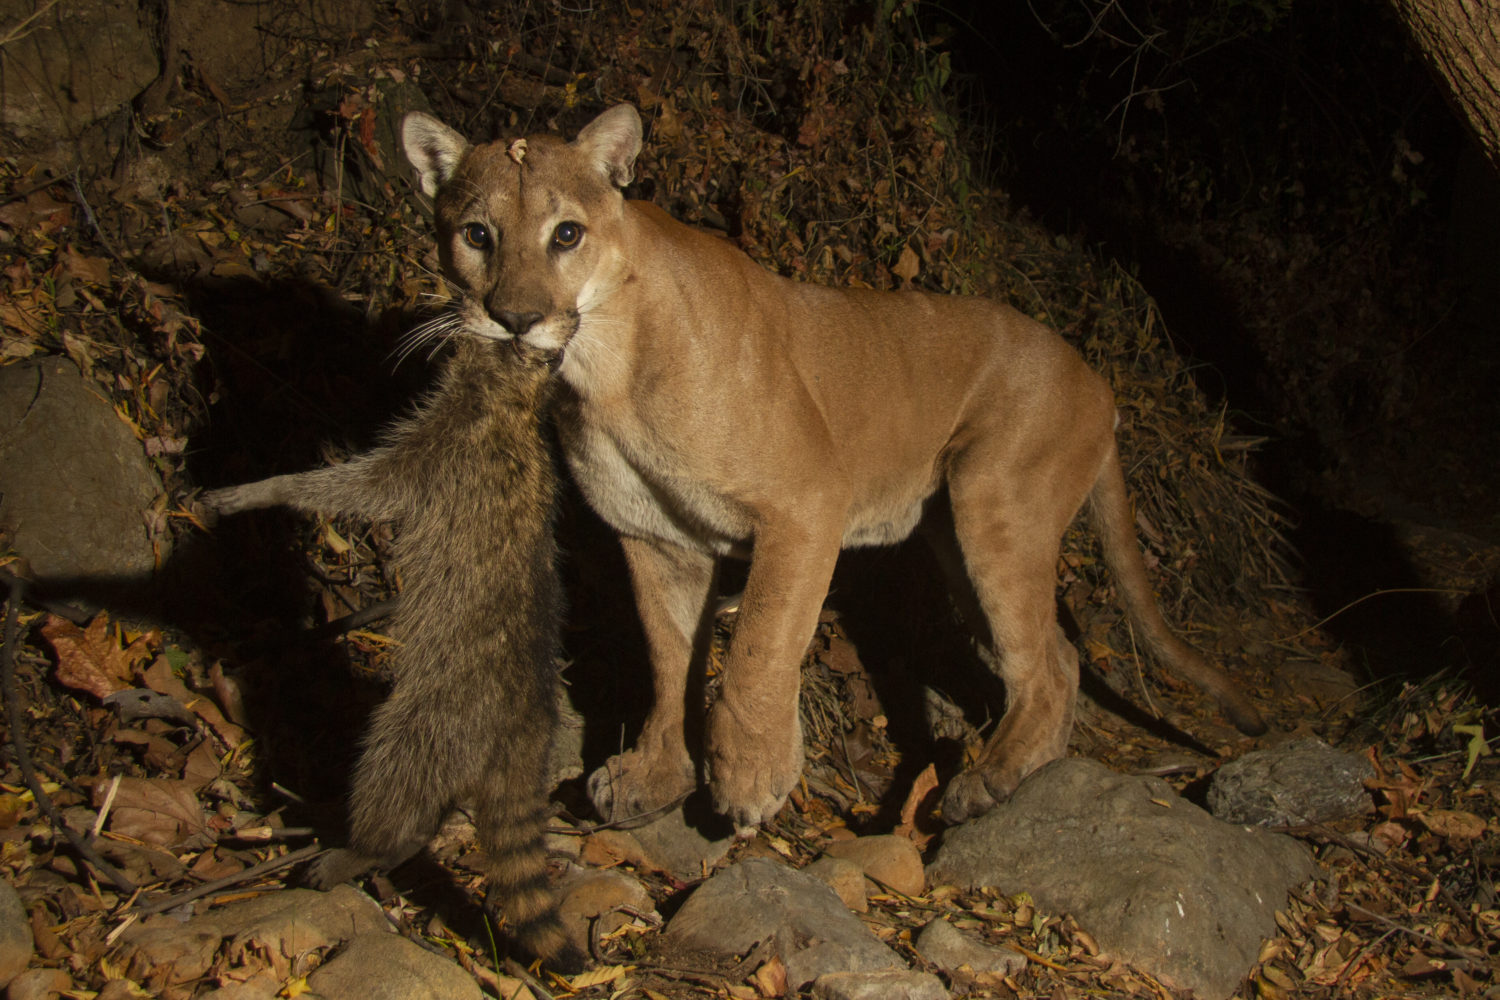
column 238, row 286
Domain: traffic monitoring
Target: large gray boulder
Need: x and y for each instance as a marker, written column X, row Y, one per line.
column 1156, row 880
column 75, row 483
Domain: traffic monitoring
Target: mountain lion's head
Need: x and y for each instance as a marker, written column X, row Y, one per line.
column 527, row 231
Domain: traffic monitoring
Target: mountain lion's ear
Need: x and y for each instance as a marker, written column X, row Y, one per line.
column 614, row 138
column 433, row 148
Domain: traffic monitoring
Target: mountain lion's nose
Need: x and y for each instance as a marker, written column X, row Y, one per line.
column 518, row 323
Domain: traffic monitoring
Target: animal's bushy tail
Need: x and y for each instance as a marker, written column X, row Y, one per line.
column 1109, row 506
column 512, row 829
column 401, row 790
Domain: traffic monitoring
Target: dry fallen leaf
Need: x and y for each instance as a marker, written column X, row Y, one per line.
column 160, row 677
column 158, row 811
column 596, row 977
column 90, row 659
column 1453, row 823
column 907, row 265
column 925, row 784
column 770, row 979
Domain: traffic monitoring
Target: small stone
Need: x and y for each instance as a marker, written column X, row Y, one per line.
column 15, row 934
column 586, row 895
column 888, row 860
column 565, row 761
column 563, row 845
column 844, row 878
column 38, row 984
column 890, row 985
column 607, row 848
column 390, row 967
column 950, row 949
column 759, row 901
column 1301, row 782
column 685, row 843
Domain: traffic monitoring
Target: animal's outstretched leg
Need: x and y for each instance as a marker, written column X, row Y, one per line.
column 673, row 590
column 753, row 752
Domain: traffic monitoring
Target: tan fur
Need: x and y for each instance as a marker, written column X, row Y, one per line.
column 469, row 482
column 710, row 408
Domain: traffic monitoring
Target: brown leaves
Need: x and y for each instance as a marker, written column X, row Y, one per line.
column 917, row 821
column 91, row 659
column 158, row 811
column 96, row 661
column 907, row 265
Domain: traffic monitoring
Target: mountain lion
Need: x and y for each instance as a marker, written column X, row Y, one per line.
column 710, row 408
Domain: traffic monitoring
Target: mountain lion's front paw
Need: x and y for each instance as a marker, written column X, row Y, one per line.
column 751, row 772
column 634, row 784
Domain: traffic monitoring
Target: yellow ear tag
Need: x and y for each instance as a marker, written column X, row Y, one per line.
column 517, row 151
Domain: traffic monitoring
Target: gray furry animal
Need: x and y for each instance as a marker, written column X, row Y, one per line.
column 469, row 480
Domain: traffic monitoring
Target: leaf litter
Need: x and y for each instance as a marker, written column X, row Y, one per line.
column 828, row 149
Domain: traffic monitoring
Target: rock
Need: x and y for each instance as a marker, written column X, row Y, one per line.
column 887, row 860
column 565, row 759
column 1326, row 689
column 889, row 985
column 75, row 484
column 1305, row 781
column 256, row 989
column 15, row 934
column 563, row 845
column 804, row 923
column 390, row 967
column 286, row 923
column 585, row 895
column 38, row 984
column 607, row 848
column 1157, row 881
column 844, row 878
column 87, row 59
column 950, row 949
column 668, row 844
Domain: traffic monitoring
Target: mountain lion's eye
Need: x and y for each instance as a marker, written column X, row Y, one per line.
column 477, row 236
column 567, row 235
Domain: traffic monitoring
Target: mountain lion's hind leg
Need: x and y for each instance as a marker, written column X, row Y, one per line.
column 1012, row 563
column 673, row 589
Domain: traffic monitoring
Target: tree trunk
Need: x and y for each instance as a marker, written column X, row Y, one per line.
column 1461, row 41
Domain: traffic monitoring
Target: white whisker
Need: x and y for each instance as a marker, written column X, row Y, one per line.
column 439, row 329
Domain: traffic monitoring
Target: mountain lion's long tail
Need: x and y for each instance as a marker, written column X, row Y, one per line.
column 1109, row 505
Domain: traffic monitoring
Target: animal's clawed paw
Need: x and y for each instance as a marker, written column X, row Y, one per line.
column 222, row 502
column 634, row 784
column 336, row 867
column 750, row 774
column 966, row 798
column 978, row 790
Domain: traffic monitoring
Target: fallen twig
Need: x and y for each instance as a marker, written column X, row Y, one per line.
column 1465, row 955
column 253, row 872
